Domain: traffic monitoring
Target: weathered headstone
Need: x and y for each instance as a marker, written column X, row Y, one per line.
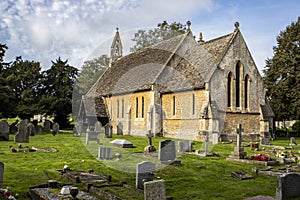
column 55, row 129
column 155, row 190
column 30, row 129
column 120, row 129
column 1, row 173
column 4, row 130
column 150, row 148
column 22, row 135
column 108, row 130
column 145, row 172
column 167, row 152
column 265, row 141
column 38, row 129
column 105, row 153
column 288, row 185
column 185, row 146
column 13, row 127
column 47, row 125
column 98, row 127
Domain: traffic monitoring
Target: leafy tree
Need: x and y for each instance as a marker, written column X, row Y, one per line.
column 90, row 72
column 282, row 74
column 163, row 31
column 4, row 87
column 56, row 90
column 24, row 77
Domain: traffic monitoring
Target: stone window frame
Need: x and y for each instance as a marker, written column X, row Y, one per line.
column 143, row 107
column 193, row 104
column 247, row 92
column 136, row 107
column 230, row 90
column 174, row 105
column 118, row 108
column 123, row 108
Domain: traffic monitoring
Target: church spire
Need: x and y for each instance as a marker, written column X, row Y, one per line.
column 116, row 47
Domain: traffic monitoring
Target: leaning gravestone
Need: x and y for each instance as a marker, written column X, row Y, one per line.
column 47, row 125
column 105, row 153
column 185, row 146
column 167, row 152
column 1, row 173
column 30, row 129
column 108, row 130
column 4, row 130
column 55, row 129
column 155, row 190
column 145, row 172
column 288, row 185
column 22, row 135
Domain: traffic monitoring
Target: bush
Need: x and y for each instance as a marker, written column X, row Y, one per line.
column 296, row 126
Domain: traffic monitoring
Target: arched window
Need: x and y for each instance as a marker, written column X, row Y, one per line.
column 174, row 105
column 193, row 104
column 123, row 108
column 247, row 91
column 229, row 89
column 143, row 107
column 238, row 80
column 118, row 108
column 137, row 107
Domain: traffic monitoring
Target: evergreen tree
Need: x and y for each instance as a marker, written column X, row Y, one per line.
column 282, row 74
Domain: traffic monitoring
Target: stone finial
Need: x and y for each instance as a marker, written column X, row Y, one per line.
column 117, row 28
column 188, row 23
column 236, row 25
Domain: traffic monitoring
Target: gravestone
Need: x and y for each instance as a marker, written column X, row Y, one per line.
column 92, row 135
column 105, row 153
column 145, row 172
column 288, row 185
column 150, row 148
column 265, row 141
column 55, row 129
column 122, row 143
column 108, row 130
column 120, row 129
column 167, row 152
column 22, row 135
column 185, row 146
column 30, row 129
column 38, row 129
column 1, row 173
column 4, row 130
column 155, row 190
column 47, row 125
column 13, row 127
column 98, row 127
column 293, row 141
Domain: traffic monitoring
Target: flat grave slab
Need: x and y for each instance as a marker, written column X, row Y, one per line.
column 122, row 143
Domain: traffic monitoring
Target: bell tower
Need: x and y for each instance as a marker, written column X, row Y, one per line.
column 116, row 47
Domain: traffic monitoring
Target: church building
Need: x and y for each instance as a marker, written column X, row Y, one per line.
column 182, row 88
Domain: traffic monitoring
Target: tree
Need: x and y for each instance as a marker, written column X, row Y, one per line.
column 90, row 72
column 24, row 77
column 4, row 87
column 163, row 31
column 56, row 90
column 282, row 74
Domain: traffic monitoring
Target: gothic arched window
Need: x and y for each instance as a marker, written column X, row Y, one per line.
column 247, row 91
column 229, row 89
column 238, row 83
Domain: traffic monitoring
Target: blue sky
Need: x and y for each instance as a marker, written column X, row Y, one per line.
column 77, row 30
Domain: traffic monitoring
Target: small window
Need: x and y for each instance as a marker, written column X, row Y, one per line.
column 143, row 107
column 137, row 107
column 193, row 104
column 123, row 108
column 118, row 108
column 174, row 105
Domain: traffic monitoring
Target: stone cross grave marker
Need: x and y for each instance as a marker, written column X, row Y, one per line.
column 155, row 190
column 55, row 129
column 145, row 172
column 105, row 153
column 22, row 135
column 185, row 146
column 4, row 130
column 239, row 150
column 288, row 185
column 1, row 173
column 167, row 152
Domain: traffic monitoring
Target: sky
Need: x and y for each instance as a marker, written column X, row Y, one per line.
column 79, row 30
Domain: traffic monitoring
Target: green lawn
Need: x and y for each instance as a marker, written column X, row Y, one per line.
column 197, row 178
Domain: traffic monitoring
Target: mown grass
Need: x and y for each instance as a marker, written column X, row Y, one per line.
column 196, row 178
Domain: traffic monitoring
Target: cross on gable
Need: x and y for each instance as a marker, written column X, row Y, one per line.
column 239, row 129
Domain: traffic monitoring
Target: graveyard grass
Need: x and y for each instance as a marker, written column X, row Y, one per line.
column 196, row 178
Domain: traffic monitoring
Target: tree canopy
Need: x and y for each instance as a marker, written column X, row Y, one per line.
column 282, row 74
column 163, row 31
